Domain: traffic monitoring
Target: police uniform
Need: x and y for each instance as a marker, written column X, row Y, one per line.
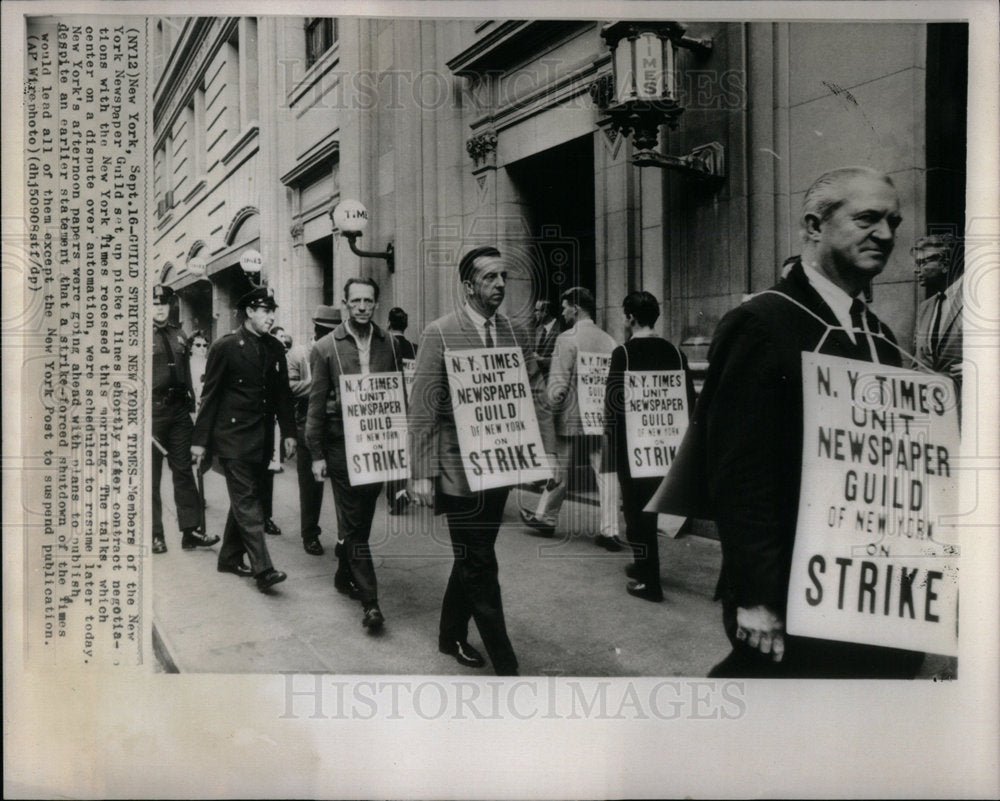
column 173, row 402
column 246, row 388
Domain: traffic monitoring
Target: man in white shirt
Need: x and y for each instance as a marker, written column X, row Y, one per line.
column 937, row 335
column 581, row 336
column 745, row 461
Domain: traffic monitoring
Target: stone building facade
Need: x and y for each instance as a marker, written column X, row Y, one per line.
column 463, row 132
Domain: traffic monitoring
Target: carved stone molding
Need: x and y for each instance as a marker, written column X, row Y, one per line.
column 296, row 232
column 483, row 149
column 602, row 90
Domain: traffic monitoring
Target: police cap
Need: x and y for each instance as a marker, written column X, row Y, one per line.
column 262, row 297
column 162, row 294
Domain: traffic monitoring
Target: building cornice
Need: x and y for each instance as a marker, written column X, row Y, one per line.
column 189, row 61
column 510, row 43
column 323, row 154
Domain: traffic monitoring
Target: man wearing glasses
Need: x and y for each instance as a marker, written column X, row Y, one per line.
column 355, row 347
column 937, row 335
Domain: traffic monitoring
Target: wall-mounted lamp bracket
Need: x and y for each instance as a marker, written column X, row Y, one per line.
column 389, row 255
column 706, row 163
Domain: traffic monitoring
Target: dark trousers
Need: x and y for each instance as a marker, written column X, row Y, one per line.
column 392, row 488
column 310, row 490
column 244, row 532
column 172, row 429
column 355, row 510
column 809, row 658
column 473, row 589
column 640, row 527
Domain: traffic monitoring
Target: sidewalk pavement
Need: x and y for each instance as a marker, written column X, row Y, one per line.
column 564, row 599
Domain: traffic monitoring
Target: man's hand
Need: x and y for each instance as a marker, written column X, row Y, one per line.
column 290, row 444
column 421, row 491
column 197, row 454
column 761, row 629
column 319, row 470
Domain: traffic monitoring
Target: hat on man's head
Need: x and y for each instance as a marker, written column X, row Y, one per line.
column 327, row 315
column 162, row 294
column 262, row 297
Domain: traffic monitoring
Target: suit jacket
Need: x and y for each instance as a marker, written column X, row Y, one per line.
column 404, row 348
column 433, row 438
column 561, row 388
column 334, row 355
column 545, row 350
column 242, row 397
column 949, row 351
column 741, row 460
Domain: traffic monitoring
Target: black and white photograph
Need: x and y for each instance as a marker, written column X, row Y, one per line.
column 452, row 400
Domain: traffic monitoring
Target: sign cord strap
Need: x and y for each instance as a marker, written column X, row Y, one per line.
column 872, row 334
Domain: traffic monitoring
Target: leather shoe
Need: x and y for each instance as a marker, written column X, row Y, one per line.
column 612, row 544
column 539, row 527
column 313, row 547
column 373, row 618
column 159, row 545
column 270, row 527
column 464, row 653
column 269, row 578
column 346, row 586
column 640, row 590
column 195, row 539
column 237, row 570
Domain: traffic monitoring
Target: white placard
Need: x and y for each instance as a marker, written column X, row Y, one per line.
column 876, row 553
column 656, row 417
column 498, row 432
column 409, row 374
column 374, row 413
column 591, row 382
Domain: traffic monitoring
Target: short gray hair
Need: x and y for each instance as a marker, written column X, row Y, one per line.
column 826, row 194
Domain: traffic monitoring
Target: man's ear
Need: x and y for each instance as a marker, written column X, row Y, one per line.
column 813, row 227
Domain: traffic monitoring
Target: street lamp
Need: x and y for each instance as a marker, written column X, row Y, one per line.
column 645, row 94
column 350, row 217
column 252, row 264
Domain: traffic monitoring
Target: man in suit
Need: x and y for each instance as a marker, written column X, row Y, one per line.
column 581, row 336
column 437, row 474
column 356, row 347
column 937, row 335
column 173, row 402
column 747, row 430
column 546, row 332
column 246, row 388
column 395, row 491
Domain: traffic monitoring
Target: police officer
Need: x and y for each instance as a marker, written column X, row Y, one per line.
column 173, row 402
column 246, row 387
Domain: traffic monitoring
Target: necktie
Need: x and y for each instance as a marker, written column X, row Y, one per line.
column 858, row 315
column 489, row 337
column 936, row 326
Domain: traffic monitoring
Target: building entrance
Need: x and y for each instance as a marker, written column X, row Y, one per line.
column 556, row 187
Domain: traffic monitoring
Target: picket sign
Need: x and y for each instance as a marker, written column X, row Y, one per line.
column 498, row 433
column 591, row 382
column 374, row 414
column 656, row 417
column 876, row 552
